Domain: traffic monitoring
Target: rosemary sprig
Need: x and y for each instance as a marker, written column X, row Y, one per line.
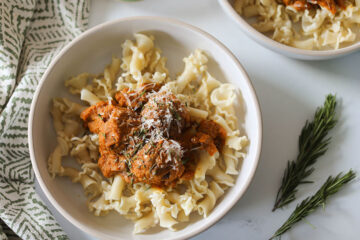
column 312, row 144
column 310, row 204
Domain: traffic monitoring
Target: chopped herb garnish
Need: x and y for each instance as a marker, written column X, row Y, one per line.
column 100, row 116
column 152, row 167
column 137, row 148
column 147, row 151
column 128, row 163
column 142, row 132
column 175, row 113
column 143, row 92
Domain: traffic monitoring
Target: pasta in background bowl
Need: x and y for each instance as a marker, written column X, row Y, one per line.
column 176, row 40
column 314, row 34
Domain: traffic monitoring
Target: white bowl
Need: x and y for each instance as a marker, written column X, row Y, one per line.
column 91, row 52
column 282, row 48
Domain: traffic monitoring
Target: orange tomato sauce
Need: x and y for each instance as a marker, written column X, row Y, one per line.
column 148, row 136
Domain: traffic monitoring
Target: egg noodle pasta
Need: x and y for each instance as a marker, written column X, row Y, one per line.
column 146, row 204
column 313, row 28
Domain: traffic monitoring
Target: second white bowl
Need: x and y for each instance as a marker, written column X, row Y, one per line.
column 282, row 48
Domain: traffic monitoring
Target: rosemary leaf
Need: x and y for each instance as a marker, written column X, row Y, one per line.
column 310, row 204
column 313, row 143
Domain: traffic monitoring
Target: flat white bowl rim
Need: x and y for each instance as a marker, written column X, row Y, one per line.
column 247, row 28
column 54, row 202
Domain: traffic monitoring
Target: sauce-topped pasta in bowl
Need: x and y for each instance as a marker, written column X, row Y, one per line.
column 147, row 146
column 302, row 29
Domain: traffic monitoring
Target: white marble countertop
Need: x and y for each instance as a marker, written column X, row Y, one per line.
column 289, row 91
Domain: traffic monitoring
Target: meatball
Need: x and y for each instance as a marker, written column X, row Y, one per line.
column 158, row 163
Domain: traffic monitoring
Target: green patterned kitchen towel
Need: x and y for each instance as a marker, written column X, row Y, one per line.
column 32, row 32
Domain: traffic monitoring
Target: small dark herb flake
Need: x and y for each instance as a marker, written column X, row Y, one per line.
column 152, row 167
column 141, row 94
